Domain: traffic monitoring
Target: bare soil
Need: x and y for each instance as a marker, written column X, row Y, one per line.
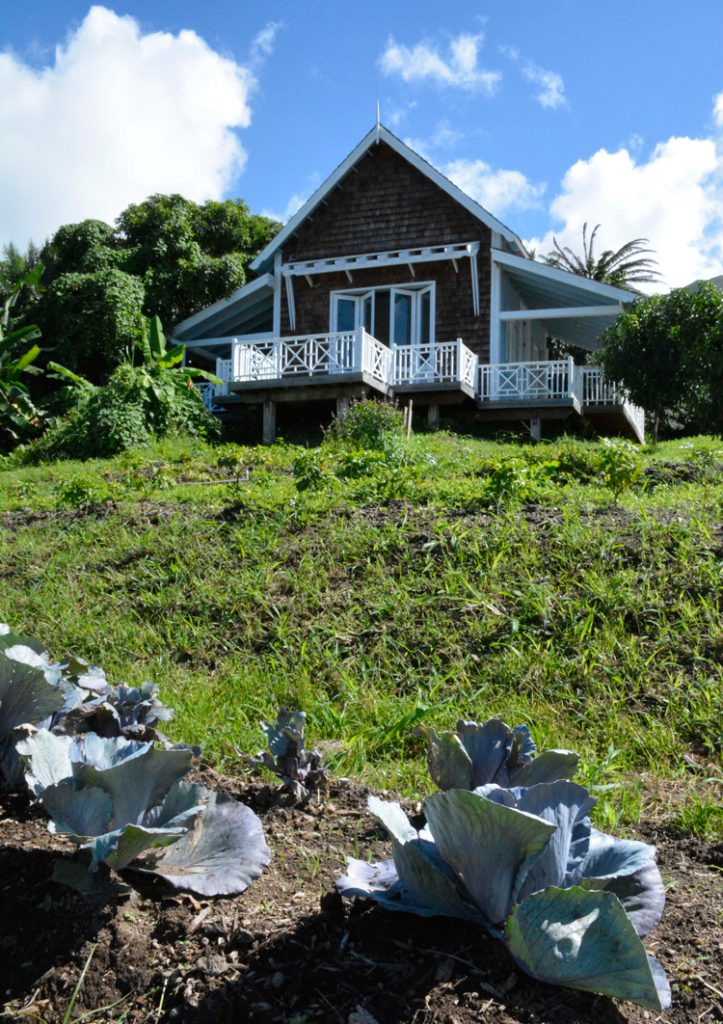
column 288, row 950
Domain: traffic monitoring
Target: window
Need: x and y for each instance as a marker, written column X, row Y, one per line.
column 400, row 315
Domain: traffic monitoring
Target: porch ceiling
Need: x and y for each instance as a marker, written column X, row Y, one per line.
column 542, row 287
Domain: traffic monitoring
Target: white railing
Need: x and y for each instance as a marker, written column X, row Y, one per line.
column 543, row 380
column 376, row 359
column 596, row 390
column 442, row 362
column 308, row 355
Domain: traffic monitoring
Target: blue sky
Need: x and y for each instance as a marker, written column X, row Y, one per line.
column 550, row 112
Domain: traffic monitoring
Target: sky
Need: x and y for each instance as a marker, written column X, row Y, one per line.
column 551, row 113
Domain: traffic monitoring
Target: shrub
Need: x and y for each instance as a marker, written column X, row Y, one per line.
column 371, row 426
column 620, row 465
column 135, row 407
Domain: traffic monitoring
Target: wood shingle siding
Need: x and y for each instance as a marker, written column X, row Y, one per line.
column 383, row 203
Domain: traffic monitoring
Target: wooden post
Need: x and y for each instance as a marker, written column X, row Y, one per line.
column 409, row 418
column 433, row 417
column 536, row 428
column 268, row 433
column 342, row 406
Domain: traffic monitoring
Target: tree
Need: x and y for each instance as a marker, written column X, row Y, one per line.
column 18, row 415
column 629, row 265
column 187, row 255
column 92, row 321
column 667, row 353
column 165, row 256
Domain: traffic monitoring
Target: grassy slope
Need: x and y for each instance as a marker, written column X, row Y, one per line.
column 600, row 627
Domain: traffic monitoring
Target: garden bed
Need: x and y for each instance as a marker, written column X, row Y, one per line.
column 288, row 950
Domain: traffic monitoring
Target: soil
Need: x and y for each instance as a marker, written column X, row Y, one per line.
column 289, row 950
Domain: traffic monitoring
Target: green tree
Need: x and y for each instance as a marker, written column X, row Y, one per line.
column 627, row 266
column 92, row 321
column 668, row 355
column 187, row 255
column 18, row 414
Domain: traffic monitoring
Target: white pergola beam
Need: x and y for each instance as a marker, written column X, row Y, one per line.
column 563, row 312
column 392, row 257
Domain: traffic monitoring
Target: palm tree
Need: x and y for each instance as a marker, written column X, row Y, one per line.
column 627, row 266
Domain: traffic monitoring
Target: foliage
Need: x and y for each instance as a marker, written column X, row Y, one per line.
column 620, row 464
column 18, row 415
column 366, row 612
column 631, row 264
column 91, row 761
column 118, row 798
column 187, row 255
column 93, row 320
column 138, row 404
column 668, row 355
column 477, row 755
column 300, row 770
column 570, row 903
column 369, row 426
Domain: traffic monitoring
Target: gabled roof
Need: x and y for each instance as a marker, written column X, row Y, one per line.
column 381, row 134
column 249, row 302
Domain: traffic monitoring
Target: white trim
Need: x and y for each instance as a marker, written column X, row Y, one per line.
column 381, row 134
column 561, row 313
column 416, row 288
column 277, row 293
column 389, row 258
column 562, row 276
column 290, row 302
column 475, row 282
column 495, row 301
column 264, row 281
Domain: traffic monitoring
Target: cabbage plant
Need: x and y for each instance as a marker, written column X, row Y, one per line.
column 570, row 903
column 477, row 754
column 300, row 769
column 119, row 798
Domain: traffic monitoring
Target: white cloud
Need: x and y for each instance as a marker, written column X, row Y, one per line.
column 674, row 198
column 552, row 87
column 295, row 203
column 424, row 61
column 497, row 190
column 263, row 42
column 718, row 109
column 116, row 116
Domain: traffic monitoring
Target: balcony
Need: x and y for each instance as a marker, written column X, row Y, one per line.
column 275, row 369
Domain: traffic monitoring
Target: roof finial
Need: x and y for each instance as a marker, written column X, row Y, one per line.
column 378, row 120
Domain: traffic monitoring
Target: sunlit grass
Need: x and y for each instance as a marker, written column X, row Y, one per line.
column 598, row 626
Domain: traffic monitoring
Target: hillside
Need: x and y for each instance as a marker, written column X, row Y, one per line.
column 481, row 579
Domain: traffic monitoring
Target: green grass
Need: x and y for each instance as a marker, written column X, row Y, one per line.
column 374, row 608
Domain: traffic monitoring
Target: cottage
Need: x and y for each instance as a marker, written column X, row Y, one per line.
column 390, row 281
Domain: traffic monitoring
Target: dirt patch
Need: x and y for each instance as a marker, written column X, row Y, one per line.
column 288, row 950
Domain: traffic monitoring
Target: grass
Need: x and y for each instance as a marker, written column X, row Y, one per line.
column 381, row 603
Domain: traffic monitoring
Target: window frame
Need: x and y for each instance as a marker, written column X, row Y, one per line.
column 415, row 289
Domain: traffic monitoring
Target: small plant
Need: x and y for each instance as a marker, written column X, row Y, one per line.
column 301, row 770
column 370, row 426
column 569, row 903
column 620, row 465
column 118, row 798
column 477, row 755
column 312, row 471
column 83, row 491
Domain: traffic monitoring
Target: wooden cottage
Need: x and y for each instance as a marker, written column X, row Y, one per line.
column 390, row 281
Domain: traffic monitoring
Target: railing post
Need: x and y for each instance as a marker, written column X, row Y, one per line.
column 571, row 382
column 359, row 349
column 276, row 356
column 459, row 360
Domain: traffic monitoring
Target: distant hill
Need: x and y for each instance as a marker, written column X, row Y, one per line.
column 717, row 281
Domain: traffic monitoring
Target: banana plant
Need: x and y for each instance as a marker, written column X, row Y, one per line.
column 17, row 411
